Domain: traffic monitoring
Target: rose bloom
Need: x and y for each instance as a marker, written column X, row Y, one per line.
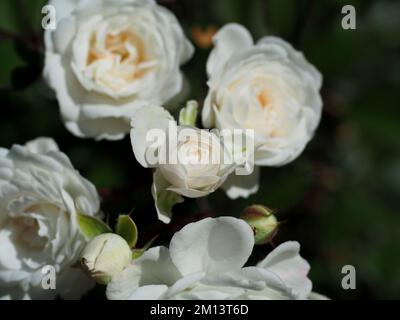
column 269, row 87
column 106, row 58
column 40, row 195
column 205, row 261
column 193, row 164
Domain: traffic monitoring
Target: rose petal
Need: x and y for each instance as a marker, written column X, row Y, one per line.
column 242, row 186
column 286, row 262
column 8, row 252
column 212, row 246
column 151, row 292
column 164, row 198
column 42, row 145
column 154, row 267
column 263, row 282
column 183, row 284
column 189, row 193
column 146, row 119
column 295, row 55
column 229, row 40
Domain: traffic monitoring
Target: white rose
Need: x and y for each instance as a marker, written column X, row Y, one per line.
column 107, row 58
column 205, row 261
column 40, row 195
column 202, row 163
column 269, row 87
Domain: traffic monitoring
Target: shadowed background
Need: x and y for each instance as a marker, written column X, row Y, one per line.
column 339, row 199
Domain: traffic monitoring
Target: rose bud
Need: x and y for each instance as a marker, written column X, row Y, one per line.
column 262, row 221
column 105, row 256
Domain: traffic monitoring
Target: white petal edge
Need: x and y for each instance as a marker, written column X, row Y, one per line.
column 42, row 145
column 228, row 41
column 212, row 246
column 242, row 186
column 144, row 120
column 164, row 199
column 286, row 262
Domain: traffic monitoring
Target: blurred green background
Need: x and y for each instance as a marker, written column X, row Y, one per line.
column 339, row 199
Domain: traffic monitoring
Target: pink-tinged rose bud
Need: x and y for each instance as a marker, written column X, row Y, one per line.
column 262, row 221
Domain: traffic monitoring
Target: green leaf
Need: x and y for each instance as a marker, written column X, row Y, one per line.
column 91, row 227
column 136, row 253
column 127, row 229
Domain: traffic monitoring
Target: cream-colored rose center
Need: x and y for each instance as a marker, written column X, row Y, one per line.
column 200, row 156
column 263, row 97
column 263, row 114
column 194, row 154
column 117, row 59
column 126, row 52
column 28, row 233
column 262, row 93
column 26, row 226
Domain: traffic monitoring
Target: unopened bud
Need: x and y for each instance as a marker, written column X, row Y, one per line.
column 105, row 256
column 262, row 221
column 188, row 114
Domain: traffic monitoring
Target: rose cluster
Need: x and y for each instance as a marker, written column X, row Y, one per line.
column 114, row 66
